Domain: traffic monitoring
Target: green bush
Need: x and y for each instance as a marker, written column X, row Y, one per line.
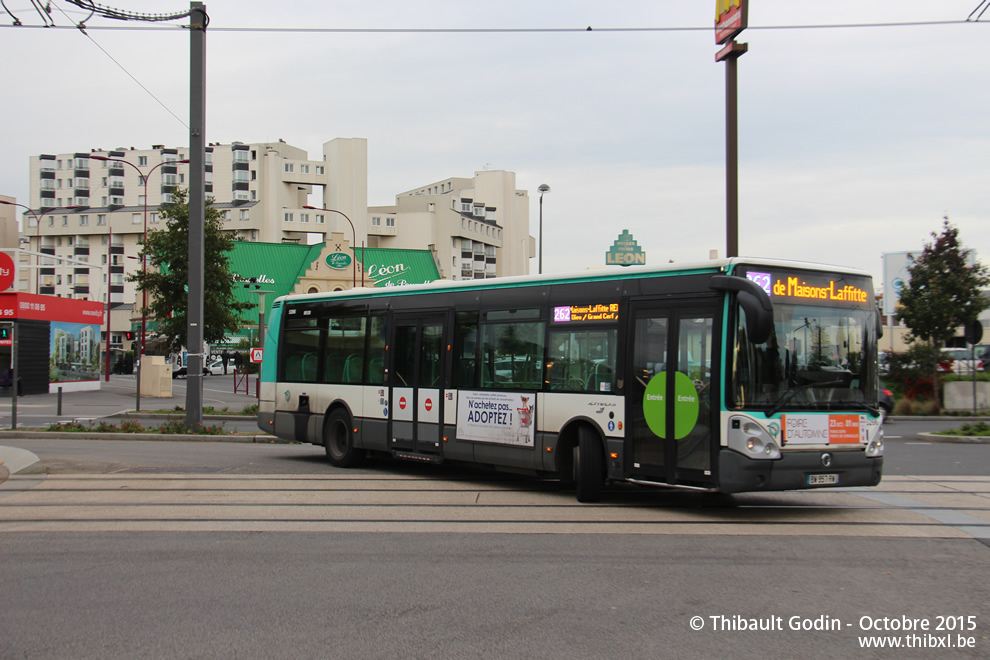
column 969, row 430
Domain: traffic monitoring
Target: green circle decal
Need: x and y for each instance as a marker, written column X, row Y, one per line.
column 686, row 405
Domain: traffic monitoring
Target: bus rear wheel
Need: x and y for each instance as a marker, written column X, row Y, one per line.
column 589, row 466
column 338, row 441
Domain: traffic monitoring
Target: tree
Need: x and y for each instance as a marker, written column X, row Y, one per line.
column 167, row 276
column 945, row 292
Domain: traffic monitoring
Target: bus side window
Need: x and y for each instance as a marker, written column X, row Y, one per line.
column 512, row 355
column 582, row 360
column 301, row 344
column 344, row 356
column 378, row 331
column 466, row 350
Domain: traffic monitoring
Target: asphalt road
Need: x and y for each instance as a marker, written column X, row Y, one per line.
column 210, row 550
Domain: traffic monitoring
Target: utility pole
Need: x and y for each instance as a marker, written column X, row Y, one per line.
column 197, row 213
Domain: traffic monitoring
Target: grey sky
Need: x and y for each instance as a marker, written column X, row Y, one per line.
column 853, row 142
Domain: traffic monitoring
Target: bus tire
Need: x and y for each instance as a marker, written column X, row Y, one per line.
column 589, row 466
column 338, row 441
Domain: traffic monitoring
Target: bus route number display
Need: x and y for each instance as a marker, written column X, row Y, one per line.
column 578, row 313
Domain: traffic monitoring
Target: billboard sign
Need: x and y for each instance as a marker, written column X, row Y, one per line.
column 731, row 17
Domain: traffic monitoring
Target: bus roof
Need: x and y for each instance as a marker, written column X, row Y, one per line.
column 589, row 275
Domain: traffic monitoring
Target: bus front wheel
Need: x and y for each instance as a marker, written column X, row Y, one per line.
column 338, row 440
column 589, row 466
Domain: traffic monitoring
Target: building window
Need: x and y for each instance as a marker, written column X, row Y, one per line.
column 65, row 221
column 304, row 169
column 142, row 200
column 142, row 160
column 83, row 220
column 101, row 219
column 319, row 169
column 465, row 207
column 136, row 218
column 376, row 222
column 288, row 167
column 166, row 198
column 288, row 217
column 389, row 221
column 241, row 156
column 320, row 219
column 227, row 215
column 304, row 217
column 245, row 214
column 154, row 218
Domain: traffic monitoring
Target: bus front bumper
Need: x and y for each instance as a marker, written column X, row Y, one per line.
column 799, row 470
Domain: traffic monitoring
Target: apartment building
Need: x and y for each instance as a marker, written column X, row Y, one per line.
column 93, row 207
column 477, row 228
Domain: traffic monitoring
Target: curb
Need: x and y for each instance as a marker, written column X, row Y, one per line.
column 160, row 437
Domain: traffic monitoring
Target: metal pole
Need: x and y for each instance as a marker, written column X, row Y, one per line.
column 197, row 208
column 106, row 360
column 16, row 385
column 731, row 160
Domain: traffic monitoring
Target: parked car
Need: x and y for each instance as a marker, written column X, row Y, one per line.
column 959, row 361
column 214, row 366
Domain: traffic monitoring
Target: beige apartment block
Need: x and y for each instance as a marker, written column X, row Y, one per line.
column 90, row 210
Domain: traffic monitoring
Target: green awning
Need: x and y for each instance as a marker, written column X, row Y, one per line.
column 385, row 267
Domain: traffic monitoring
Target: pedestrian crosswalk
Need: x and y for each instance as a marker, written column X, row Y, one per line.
column 201, row 500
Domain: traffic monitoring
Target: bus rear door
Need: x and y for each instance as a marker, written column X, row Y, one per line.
column 416, row 382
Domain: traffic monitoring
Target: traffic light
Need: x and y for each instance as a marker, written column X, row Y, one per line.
column 129, row 336
column 6, row 331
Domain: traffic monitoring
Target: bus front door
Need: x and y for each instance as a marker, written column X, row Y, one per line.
column 669, row 406
column 416, row 383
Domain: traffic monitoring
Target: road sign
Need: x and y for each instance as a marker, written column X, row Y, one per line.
column 257, row 354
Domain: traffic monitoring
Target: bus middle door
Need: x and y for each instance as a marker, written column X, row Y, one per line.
column 416, row 385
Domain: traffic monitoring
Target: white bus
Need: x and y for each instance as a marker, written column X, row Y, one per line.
column 729, row 375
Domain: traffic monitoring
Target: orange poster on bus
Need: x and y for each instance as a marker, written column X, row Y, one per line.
column 843, row 429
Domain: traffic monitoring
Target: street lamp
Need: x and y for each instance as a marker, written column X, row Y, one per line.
column 353, row 238
column 544, row 188
column 37, row 219
column 144, row 257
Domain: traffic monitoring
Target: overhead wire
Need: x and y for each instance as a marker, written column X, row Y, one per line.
column 84, row 29
column 517, row 30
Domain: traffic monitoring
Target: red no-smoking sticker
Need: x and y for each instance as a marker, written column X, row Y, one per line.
column 402, row 403
column 429, row 405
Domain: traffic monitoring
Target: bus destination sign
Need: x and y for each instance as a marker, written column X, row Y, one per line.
column 792, row 286
column 594, row 312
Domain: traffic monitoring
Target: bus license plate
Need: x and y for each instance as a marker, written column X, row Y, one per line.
column 822, row 479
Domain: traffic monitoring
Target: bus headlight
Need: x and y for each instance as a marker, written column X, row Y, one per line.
column 752, row 440
column 875, row 448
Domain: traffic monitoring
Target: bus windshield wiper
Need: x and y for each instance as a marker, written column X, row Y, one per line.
column 789, row 394
column 860, row 404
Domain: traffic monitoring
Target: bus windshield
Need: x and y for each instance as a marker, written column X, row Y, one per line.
column 821, row 354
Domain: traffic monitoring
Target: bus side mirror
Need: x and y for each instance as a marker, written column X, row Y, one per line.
column 759, row 322
column 753, row 300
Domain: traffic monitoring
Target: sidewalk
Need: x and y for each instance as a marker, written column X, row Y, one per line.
column 117, row 397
